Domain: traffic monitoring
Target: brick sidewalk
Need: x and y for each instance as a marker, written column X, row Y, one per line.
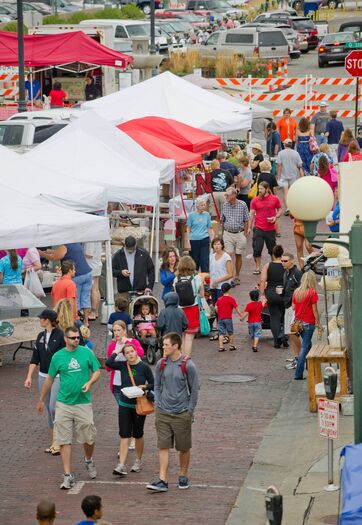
column 231, row 420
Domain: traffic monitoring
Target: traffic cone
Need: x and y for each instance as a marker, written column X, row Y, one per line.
column 280, row 74
column 285, row 67
column 270, row 69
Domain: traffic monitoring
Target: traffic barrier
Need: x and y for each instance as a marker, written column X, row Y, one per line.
column 282, row 82
column 4, row 77
column 9, row 93
column 285, row 71
column 291, row 97
column 309, row 113
column 279, row 73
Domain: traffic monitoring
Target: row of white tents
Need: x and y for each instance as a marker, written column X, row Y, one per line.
column 90, row 162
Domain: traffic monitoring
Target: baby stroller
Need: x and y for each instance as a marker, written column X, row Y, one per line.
column 151, row 345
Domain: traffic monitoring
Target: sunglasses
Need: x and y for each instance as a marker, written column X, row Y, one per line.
column 74, row 338
column 285, row 260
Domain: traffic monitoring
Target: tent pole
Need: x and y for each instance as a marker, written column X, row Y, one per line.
column 152, row 228
column 31, row 89
column 157, row 251
column 109, row 280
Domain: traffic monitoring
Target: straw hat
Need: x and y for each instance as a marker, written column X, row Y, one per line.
column 257, row 146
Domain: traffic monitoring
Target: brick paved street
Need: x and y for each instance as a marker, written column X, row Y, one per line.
column 231, row 420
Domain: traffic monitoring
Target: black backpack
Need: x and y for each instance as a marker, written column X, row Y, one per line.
column 185, row 291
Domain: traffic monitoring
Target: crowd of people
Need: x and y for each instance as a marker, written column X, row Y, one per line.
column 248, row 198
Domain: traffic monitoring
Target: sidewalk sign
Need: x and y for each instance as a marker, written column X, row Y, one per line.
column 328, row 412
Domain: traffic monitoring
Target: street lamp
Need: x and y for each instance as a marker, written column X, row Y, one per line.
column 21, row 102
column 309, row 200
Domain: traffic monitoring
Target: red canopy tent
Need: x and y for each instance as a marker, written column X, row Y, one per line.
column 161, row 148
column 177, row 133
column 42, row 51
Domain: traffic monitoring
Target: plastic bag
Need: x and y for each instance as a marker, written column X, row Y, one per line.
column 33, row 284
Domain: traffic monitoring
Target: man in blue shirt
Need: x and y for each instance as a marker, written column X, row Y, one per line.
column 334, row 131
column 93, row 509
column 33, row 89
column 225, row 165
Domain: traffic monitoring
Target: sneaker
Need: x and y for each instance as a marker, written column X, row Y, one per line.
column 68, row 482
column 286, row 213
column 132, row 444
column 90, row 466
column 158, row 486
column 137, row 466
column 254, row 348
column 183, row 482
column 120, row 470
column 292, row 365
column 290, row 360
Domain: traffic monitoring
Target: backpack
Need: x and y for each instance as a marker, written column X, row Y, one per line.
column 185, row 291
column 183, row 369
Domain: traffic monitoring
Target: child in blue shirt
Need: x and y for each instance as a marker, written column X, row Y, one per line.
column 121, row 314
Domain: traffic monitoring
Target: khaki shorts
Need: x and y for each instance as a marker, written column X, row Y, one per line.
column 286, row 183
column 78, row 416
column 234, row 242
column 220, row 199
column 174, row 429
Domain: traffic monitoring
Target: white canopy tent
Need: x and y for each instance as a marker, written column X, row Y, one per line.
column 169, row 96
column 87, row 151
column 29, row 177
column 27, row 221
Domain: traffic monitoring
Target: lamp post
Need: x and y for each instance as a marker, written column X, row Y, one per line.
column 21, row 102
column 309, row 200
column 153, row 49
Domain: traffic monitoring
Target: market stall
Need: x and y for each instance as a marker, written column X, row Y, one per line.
column 170, row 96
column 31, row 178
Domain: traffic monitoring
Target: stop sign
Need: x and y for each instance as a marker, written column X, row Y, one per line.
column 353, row 63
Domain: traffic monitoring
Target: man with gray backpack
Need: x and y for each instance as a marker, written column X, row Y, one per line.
column 176, row 393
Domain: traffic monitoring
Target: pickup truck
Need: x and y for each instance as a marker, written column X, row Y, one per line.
column 23, row 135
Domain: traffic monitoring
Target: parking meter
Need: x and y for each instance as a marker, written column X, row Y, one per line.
column 330, row 382
column 274, row 506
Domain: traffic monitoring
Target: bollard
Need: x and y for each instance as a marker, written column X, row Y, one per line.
column 279, row 73
column 274, row 506
column 270, row 70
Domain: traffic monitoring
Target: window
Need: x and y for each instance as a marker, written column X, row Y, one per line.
column 11, row 135
column 43, row 133
column 191, row 4
column 272, row 39
column 138, row 30
column 120, row 32
column 339, row 37
column 212, row 40
column 260, row 18
column 303, row 24
column 239, row 38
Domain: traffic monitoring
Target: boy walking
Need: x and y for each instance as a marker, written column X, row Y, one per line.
column 224, row 307
column 172, row 318
column 253, row 313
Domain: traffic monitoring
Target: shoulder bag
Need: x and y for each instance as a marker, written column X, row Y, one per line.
column 253, row 192
column 144, row 406
column 297, row 326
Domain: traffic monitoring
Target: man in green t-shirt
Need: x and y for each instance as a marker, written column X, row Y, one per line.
column 78, row 370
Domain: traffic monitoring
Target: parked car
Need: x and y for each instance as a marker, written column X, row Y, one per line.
column 124, row 30
column 63, row 6
column 276, row 17
column 174, row 26
column 217, row 6
column 298, row 5
column 290, row 34
column 262, row 42
column 144, row 5
column 40, row 7
column 189, row 16
column 9, row 11
column 333, row 48
column 307, row 29
column 353, row 26
column 22, row 135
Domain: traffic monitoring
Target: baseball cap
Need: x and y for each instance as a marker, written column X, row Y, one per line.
column 48, row 314
column 225, row 287
column 287, row 141
column 323, row 104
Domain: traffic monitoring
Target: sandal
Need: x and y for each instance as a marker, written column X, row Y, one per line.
column 221, row 349
column 56, row 452
column 232, row 348
column 48, row 450
column 214, row 338
column 226, row 339
column 256, row 272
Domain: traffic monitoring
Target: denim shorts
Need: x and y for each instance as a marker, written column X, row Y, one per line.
column 255, row 330
column 84, row 286
column 226, row 327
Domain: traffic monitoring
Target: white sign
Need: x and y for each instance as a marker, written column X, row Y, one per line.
column 328, row 418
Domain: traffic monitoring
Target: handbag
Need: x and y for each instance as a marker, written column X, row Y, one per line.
column 298, row 228
column 297, row 326
column 253, row 192
column 144, row 406
column 204, row 322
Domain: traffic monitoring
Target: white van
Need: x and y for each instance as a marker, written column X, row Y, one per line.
column 251, row 42
column 124, row 30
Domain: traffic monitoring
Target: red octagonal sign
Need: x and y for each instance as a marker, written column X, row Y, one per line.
column 353, row 63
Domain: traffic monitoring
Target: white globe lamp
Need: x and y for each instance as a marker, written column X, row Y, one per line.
column 310, row 199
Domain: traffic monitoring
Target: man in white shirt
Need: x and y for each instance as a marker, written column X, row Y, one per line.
column 289, row 168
